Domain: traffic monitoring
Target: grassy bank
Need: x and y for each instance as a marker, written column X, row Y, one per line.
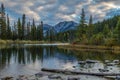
column 21, row 42
column 115, row 49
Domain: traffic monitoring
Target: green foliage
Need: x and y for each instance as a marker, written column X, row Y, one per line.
column 106, row 30
column 3, row 29
column 23, row 25
column 110, row 42
column 116, row 32
column 82, row 20
column 40, row 32
column 81, row 27
column 33, row 31
column 19, row 29
column 97, row 39
column 9, row 32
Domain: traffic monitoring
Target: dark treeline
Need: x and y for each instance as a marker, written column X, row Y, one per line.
column 21, row 29
column 106, row 32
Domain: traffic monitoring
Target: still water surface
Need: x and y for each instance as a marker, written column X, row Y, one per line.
column 29, row 59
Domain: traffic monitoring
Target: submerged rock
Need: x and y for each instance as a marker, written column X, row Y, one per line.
column 111, row 64
column 103, row 70
column 81, row 62
column 40, row 74
column 73, row 78
column 22, row 77
column 107, row 61
column 92, row 61
column 54, row 77
column 7, row 78
column 116, row 61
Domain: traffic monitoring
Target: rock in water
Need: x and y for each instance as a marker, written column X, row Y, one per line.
column 92, row 61
column 103, row 70
column 40, row 74
column 7, row 78
column 22, row 77
column 73, row 78
column 54, row 77
column 81, row 62
column 116, row 61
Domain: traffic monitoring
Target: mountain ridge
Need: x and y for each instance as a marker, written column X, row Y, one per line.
column 61, row 26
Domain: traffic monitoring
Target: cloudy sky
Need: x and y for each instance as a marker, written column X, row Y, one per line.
column 54, row 11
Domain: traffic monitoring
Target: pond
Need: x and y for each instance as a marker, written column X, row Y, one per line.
column 29, row 59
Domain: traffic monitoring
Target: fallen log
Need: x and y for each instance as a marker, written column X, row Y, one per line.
column 78, row 72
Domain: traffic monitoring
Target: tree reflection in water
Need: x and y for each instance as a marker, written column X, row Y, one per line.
column 49, row 56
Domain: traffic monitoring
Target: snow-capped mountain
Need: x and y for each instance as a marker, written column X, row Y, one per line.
column 65, row 26
column 62, row 26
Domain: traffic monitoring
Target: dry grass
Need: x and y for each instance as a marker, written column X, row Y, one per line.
column 115, row 49
column 20, row 42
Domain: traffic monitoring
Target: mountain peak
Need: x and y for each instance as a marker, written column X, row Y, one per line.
column 62, row 26
column 65, row 26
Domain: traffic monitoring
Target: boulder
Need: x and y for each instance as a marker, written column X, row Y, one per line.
column 54, row 77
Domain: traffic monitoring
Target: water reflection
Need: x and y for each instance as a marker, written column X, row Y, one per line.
column 17, row 59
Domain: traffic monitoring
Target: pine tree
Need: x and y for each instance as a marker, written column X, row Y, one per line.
column 89, row 30
column 33, row 31
column 106, row 30
column 23, row 26
column 81, row 27
column 2, row 11
column 3, row 22
column 14, row 33
column 90, row 21
column 19, row 29
column 117, row 31
column 9, row 33
column 41, row 31
column 3, row 30
column 82, row 20
column 52, row 34
column 28, row 31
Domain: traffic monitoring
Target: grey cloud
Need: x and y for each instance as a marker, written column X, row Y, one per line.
column 53, row 11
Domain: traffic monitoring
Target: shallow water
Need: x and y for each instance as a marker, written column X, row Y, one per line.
column 29, row 59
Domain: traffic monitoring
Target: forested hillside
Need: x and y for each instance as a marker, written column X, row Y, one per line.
column 106, row 32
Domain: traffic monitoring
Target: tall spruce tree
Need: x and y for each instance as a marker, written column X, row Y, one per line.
column 89, row 31
column 23, row 26
column 28, row 30
column 117, row 31
column 19, row 29
column 91, row 21
column 81, row 27
column 14, row 33
column 82, row 19
column 9, row 33
column 3, row 22
column 33, row 31
column 106, row 30
column 41, row 31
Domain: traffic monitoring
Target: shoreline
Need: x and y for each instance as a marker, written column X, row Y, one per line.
column 26, row 42
column 79, row 47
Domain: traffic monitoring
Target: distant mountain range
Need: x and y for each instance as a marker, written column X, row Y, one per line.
column 62, row 26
